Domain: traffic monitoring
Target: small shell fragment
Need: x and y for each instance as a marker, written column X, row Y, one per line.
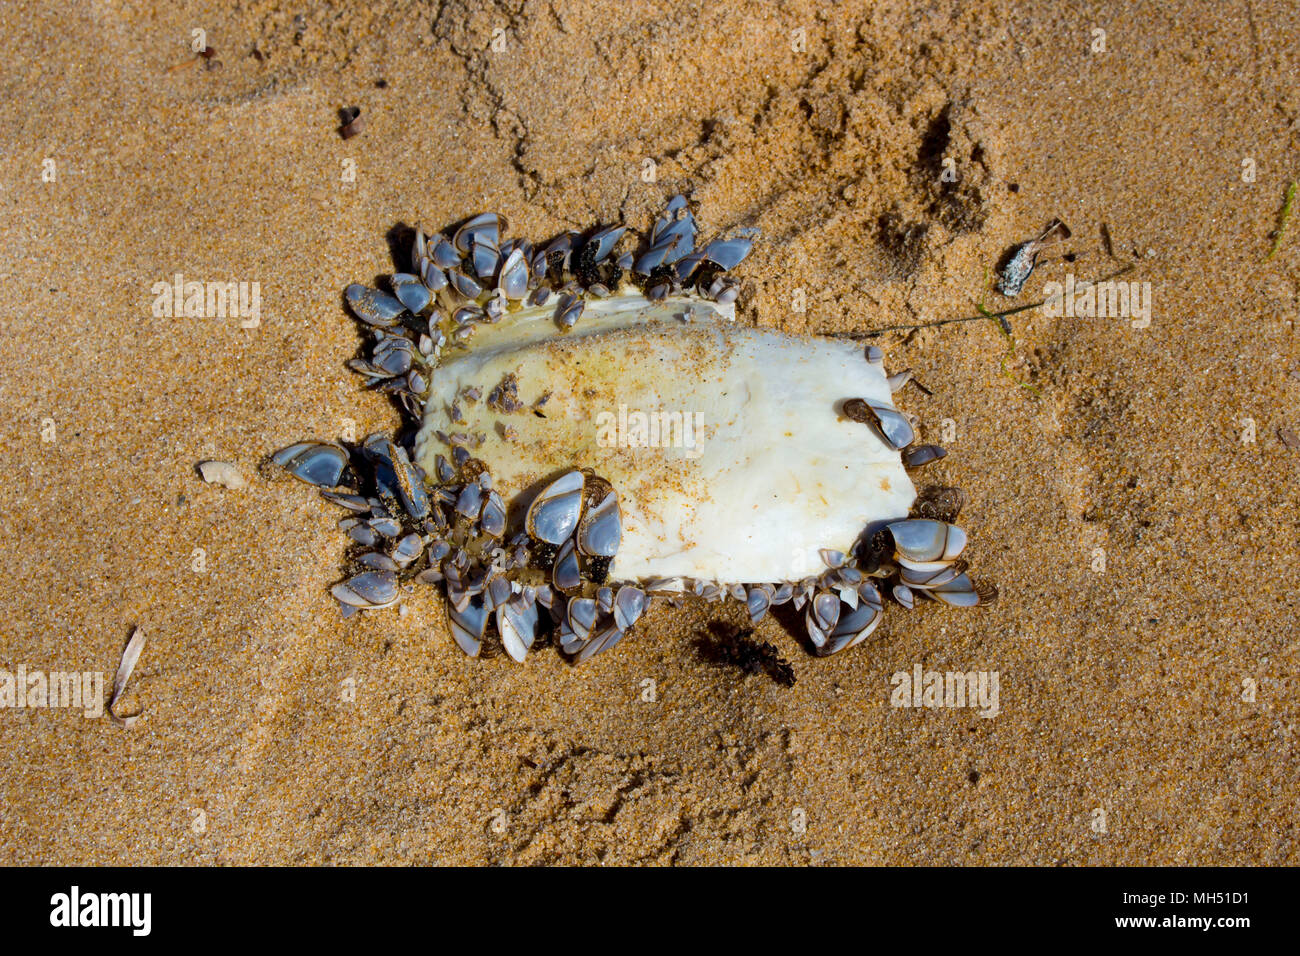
column 222, row 473
column 350, row 121
column 1016, row 272
column 130, row 655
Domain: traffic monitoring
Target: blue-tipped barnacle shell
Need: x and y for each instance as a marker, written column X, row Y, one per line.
column 374, row 307
column 629, row 604
column 370, row 589
column 513, row 281
column 463, row 284
column 727, row 253
column 892, row 426
column 468, row 624
column 601, row 528
column 444, row 254
column 485, row 257
column 517, row 624
column 555, row 512
column 603, row 242
column 926, row 541
column 567, row 575
column 411, row 292
column 316, row 463
column 485, row 227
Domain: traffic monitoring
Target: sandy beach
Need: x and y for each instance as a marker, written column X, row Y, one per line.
column 1132, row 487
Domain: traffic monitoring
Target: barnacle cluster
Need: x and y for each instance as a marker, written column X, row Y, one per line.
column 506, row 356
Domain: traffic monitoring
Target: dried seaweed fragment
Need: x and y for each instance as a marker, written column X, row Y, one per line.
column 729, row 646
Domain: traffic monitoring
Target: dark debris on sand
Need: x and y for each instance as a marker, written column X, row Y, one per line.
column 730, row 646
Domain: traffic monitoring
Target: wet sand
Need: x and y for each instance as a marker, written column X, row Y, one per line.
column 827, row 128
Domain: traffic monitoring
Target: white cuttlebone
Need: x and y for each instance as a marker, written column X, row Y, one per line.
column 777, row 472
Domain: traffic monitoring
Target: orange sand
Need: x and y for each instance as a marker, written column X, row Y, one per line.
column 1120, row 690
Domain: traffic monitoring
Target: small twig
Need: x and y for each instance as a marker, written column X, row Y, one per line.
column 965, row 318
column 1281, row 225
column 937, row 322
